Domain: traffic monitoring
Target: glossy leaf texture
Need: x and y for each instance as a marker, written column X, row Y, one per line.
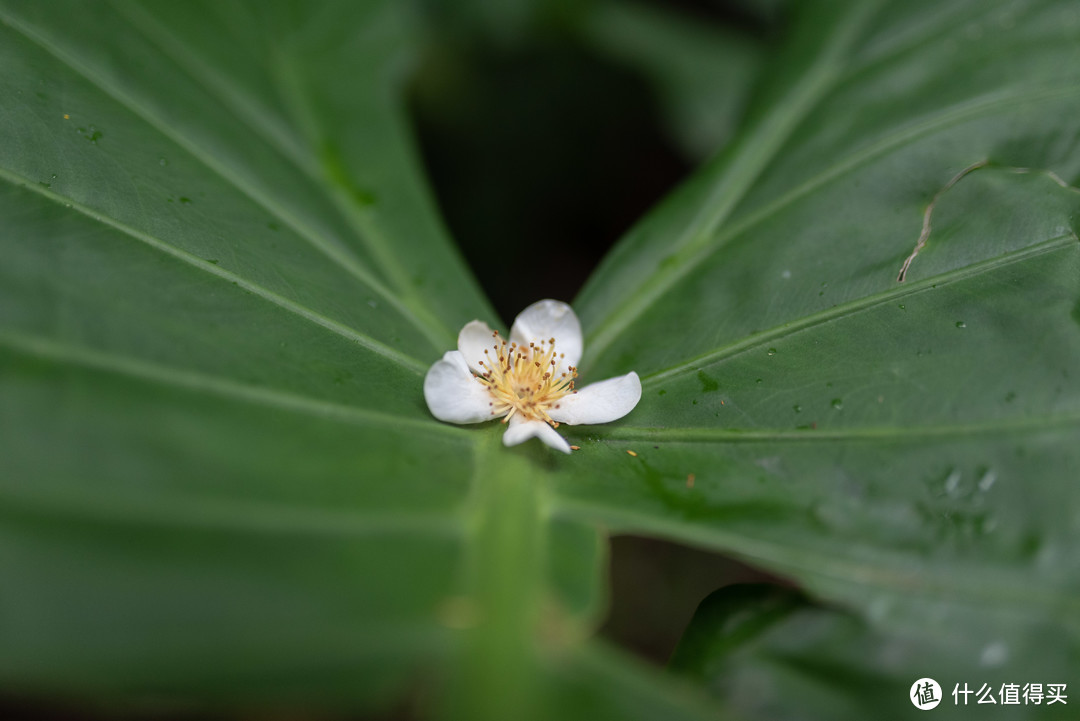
column 906, row 450
column 222, row 283
column 223, row 280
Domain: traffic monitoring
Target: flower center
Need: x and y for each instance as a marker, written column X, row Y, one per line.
column 527, row 381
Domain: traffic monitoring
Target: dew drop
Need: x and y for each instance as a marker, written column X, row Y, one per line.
column 994, row 654
column 961, row 324
column 797, row 408
column 902, row 306
column 758, row 381
column 987, row 480
column 163, row 162
column 772, row 351
column 952, row 482
column 838, row 403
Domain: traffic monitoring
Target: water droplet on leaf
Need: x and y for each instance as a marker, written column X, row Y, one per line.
column 952, row 482
column 987, row 480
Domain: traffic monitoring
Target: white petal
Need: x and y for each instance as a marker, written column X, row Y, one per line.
column 520, row 430
column 452, row 392
column 550, row 319
column 599, row 402
column 473, row 340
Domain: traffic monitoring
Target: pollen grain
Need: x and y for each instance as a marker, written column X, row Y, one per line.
column 525, row 380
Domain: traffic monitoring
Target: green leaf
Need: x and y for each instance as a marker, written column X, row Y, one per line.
column 224, row 278
column 773, row 654
column 905, row 449
column 222, row 284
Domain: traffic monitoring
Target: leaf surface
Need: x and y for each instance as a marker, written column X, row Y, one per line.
column 223, row 280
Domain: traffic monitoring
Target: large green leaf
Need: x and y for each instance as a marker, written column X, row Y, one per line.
column 223, row 280
column 215, row 461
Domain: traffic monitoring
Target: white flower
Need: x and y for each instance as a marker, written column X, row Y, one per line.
column 528, row 381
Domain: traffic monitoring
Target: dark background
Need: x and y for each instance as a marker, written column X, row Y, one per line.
column 542, row 150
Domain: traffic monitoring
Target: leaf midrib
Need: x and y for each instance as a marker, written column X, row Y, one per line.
column 752, row 156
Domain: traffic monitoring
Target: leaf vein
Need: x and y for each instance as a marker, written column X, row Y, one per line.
column 334, row 251
column 857, row 306
column 254, row 288
column 216, row 386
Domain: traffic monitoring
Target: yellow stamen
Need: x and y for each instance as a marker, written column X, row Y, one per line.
column 527, row 381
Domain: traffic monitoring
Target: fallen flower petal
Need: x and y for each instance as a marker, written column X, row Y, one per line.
column 527, row 381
